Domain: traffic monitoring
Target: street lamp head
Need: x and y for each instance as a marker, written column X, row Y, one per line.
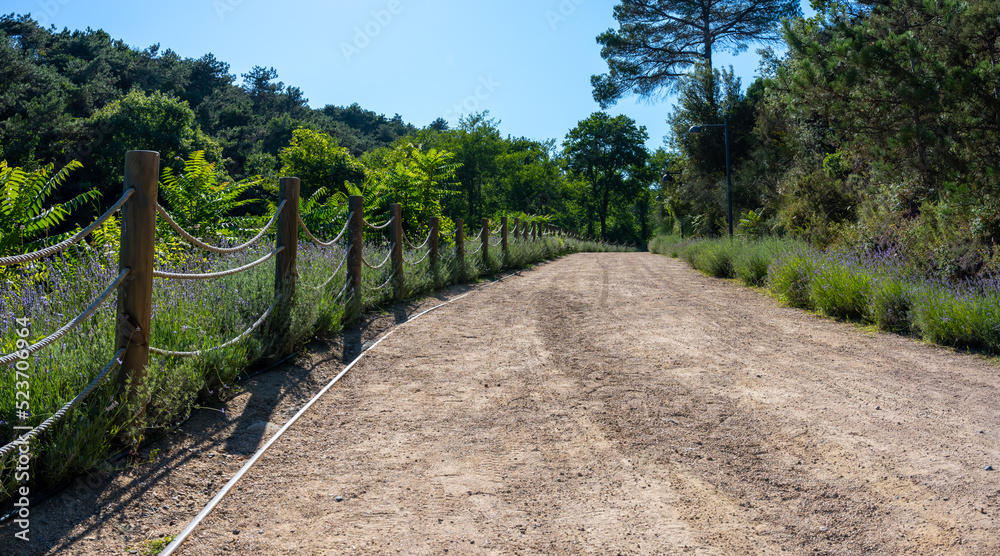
column 695, row 129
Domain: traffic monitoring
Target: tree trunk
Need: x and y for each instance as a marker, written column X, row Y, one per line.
column 605, row 201
column 706, row 19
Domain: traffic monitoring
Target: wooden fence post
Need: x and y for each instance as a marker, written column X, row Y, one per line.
column 285, row 272
column 460, row 245
column 503, row 240
column 516, row 232
column 534, row 231
column 486, row 243
column 434, row 252
column 135, row 294
column 435, row 223
column 396, row 238
column 356, row 237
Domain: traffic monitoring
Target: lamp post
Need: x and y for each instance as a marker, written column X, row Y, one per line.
column 729, row 174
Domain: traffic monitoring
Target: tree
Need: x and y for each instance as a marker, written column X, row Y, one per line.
column 708, row 97
column 607, row 152
column 139, row 121
column 319, row 161
column 659, row 40
column 477, row 145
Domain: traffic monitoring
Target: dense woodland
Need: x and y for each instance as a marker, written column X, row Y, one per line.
column 874, row 126
column 878, row 131
column 82, row 95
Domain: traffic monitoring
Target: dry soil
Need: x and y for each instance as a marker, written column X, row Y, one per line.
column 598, row 404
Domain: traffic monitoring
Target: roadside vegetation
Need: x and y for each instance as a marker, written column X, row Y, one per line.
column 877, row 288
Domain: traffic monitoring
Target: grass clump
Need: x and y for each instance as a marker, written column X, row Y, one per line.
column 790, row 277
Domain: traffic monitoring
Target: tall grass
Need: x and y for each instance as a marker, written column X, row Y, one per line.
column 189, row 316
column 873, row 288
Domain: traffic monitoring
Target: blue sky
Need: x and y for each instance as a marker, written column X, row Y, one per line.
column 528, row 62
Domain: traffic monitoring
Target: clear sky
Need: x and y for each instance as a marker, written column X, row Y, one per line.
column 528, row 62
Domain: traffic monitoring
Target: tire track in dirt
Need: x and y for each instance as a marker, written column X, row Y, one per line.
column 622, row 403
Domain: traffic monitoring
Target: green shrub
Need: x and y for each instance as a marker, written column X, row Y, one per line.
column 890, row 303
column 753, row 258
column 840, row 288
column 969, row 319
column 790, row 277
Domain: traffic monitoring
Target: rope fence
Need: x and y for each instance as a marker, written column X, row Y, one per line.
column 230, row 343
column 386, row 260
column 334, row 275
column 76, row 238
column 213, row 249
column 68, row 327
column 58, row 415
column 319, row 243
column 220, row 274
column 135, row 280
column 379, row 226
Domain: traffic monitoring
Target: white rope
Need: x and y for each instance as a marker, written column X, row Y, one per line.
column 331, row 242
column 210, row 275
column 383, row 286
column 414, row 263
column 245, row 333
column 380, row 226
column 334, row 275
column 58, row 415
column 179, row 539
column 52, row 250
column 342, row 290
column 406, row 240
column 387, row 256
column 223, row 250
column 22, row 354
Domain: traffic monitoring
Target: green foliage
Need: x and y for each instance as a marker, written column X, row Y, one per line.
column 890, row 304
column 418, row 181
column 319, row 161
column 610, row 155
column 699, row 195
column 970, row 320
column 849, row 287
column 657, row 41
column 790, row 278
column 841, row 289
column 26, row 224
column 140, row 121
column 754, row 257
column 751, row 225
column 201, row 201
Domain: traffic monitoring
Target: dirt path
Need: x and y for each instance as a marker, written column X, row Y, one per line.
column 623, row 403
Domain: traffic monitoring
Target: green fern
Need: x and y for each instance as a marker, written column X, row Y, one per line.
column 25, row 221
column 201, row 202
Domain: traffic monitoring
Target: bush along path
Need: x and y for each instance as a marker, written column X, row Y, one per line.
column 875, row 289
column 163, row 321
column 605, row 403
